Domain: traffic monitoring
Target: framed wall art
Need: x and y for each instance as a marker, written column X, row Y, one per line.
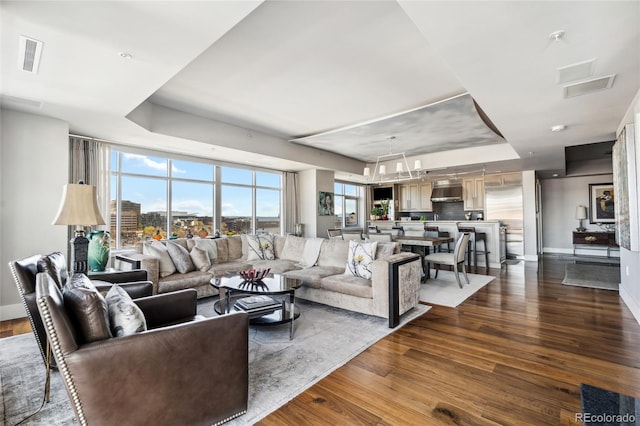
column 325, row 204
column 601, row 203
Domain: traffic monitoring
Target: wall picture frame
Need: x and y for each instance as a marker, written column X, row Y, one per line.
column 325, row 204
column 601, row 203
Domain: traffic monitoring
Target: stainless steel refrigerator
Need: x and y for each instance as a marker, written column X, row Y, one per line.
column 503, row 202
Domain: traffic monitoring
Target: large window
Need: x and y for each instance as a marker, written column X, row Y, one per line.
column 152, row 195
column 347, row 201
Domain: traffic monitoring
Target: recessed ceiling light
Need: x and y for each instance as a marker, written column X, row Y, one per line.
column 558, row 128
column 556, row 35
column 555, row 175
column 125, row 55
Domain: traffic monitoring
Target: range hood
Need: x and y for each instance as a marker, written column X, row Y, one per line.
column 446, row 191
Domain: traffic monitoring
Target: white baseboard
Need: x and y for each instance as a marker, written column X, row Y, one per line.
column 9, row 312
column 631, row 303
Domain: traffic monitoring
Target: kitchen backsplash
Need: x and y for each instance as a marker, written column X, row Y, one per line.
column 445, row 211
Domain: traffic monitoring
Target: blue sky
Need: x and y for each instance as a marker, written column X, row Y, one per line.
column 190, row 196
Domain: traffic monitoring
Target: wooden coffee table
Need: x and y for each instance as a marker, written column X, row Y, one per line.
column 235, row 287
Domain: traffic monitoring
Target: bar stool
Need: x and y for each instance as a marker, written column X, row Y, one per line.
column 432, row 231
column 472, row 246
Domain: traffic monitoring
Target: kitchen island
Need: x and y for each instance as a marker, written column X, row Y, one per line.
column 490, row 227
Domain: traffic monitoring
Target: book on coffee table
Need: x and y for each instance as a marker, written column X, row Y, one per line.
column 255, row 303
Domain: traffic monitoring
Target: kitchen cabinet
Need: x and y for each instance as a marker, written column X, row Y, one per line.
column 415, row 197
column 473, row 193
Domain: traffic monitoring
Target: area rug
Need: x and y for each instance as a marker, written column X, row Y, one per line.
column 279, row 369
column 603, row 407
column 593, row 276
column 445, row 291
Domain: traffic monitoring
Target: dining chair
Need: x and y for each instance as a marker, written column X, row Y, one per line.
column 432, row 231
column 357, row 236
column 334, row 233
column 455, row 259
column 475, row 237
column 382, row 237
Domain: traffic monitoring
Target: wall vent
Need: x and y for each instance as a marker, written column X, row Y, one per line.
column 29, row 54
column 589, row 86
column 578, row 71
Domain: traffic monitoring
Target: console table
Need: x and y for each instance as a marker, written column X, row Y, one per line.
column 597, row 239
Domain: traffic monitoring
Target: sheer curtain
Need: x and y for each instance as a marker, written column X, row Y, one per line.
column 89, row 162
column 290, row 202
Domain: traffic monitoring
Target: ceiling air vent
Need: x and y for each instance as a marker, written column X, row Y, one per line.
column 589, row 86
column 578, row 71
column 29, row 54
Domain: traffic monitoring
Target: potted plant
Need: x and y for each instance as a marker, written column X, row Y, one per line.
column 385, row 209
column 202, row 233
column 375, row 213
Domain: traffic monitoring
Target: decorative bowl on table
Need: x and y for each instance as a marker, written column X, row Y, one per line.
column 254, row 274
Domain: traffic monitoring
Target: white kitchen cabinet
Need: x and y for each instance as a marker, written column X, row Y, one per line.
column 473, row 193
column 415, row 197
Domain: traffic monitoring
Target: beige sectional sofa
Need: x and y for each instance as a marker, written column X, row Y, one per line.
column 319, row 263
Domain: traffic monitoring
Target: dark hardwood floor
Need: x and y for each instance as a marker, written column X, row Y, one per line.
column 515, row 353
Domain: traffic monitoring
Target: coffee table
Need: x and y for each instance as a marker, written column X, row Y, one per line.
column 236, row 287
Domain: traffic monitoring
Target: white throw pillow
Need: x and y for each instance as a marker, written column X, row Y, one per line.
column 360, row 258
column 260, row 247
column 180, row 257
column 125, row 317
column 385, row 250
column 210, row 246
column 157, row 249
column 200, row 259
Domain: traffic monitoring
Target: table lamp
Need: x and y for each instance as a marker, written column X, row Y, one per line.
column 79, row 207
column 581, row 214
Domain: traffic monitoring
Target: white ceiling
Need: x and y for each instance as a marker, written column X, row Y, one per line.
column 238, row 81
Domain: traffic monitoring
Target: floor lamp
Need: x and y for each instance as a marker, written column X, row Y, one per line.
column 79, row 208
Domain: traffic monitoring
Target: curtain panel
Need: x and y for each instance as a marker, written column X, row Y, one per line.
column 290, row 192
column 89, row 162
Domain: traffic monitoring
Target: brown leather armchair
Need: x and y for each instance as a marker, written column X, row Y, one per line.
column 193, row 372
column 24, row 272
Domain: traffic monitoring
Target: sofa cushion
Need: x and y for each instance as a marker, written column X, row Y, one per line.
column 360, row 258
column 176, row 282
column 125, row 317
column 234, row 244
column 222, row 250
column 228, row 267
column 333, row 253
column 88, row 308
column 311, row 277
column 293, row 248
column 278, row 245
column 277, row 266
column 56, row 265
column 210, row 246
column 157, row 249
column 180, row 257
column 260, row 247
column 200, row 258
column 348, row 284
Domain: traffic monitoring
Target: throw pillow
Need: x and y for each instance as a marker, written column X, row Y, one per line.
column 125, row 317
column 210, row 246
column 180, row 257
column 293, row 248
column 157, row 249
column 385, row 250
column 200, row 259
column 260, row 247
column 88, row 308
column 360, row 258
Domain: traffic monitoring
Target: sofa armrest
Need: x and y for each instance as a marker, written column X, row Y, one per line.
column 135, row 289
column 146, row 262
column 118, row 277
column 172, row 372
column 169, row 308
column 396, row 285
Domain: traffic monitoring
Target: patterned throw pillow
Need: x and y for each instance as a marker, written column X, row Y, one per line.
column 360, row 258
column 200, row 259
column 125, row 317
column 180, row 257
column 261, row 247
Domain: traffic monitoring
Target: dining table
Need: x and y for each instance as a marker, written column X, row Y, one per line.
column 425, row 243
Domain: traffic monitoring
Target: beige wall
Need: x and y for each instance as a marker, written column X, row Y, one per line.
column 34, row 160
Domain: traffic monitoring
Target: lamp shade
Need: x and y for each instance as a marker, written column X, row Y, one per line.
column 581, row 212
column 383, row 169
column 367, row 171
column 79, row 206
column 417, row 165
column 398, row 167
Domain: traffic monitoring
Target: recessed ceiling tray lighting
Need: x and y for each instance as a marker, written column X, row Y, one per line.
column 558, row 128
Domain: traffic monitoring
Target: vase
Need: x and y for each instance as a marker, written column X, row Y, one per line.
column 99, row 246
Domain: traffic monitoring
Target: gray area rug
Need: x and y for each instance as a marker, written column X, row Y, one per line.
column 279, row 369
column 604, row 407
column 592, row 276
